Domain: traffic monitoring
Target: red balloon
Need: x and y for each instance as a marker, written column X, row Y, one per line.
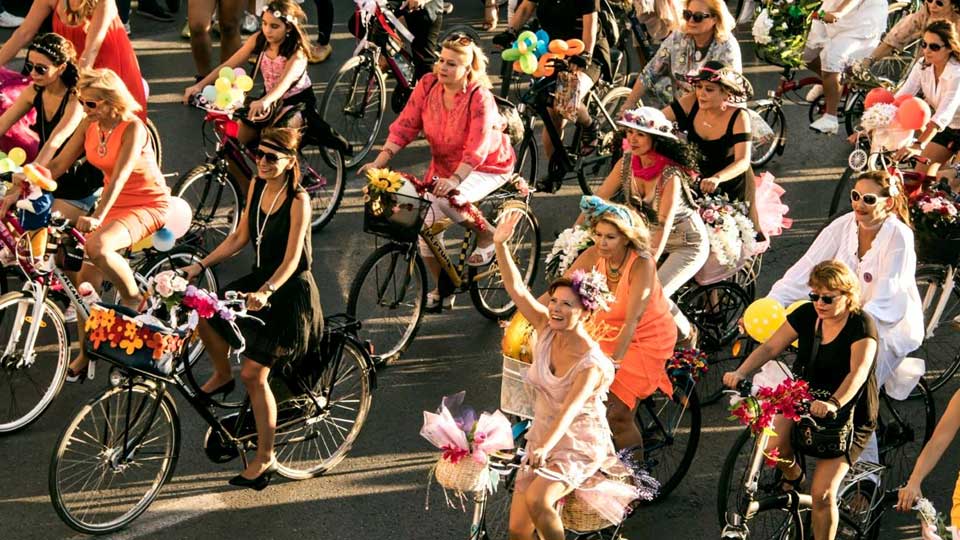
column 878, row 95
column 901, row 99
column 913, row 113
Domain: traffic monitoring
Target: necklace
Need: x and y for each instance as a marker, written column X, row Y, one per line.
column 103, row 137
column 700, row 52
column 613, row 274
column 260, row 228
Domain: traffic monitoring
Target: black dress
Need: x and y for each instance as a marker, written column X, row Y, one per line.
column 718, row 154
column 82, row 179
column 826, row 373
column 294, row 320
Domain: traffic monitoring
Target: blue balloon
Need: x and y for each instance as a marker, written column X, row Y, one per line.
column 541, row 48
column 542, row 35
column 164, row 239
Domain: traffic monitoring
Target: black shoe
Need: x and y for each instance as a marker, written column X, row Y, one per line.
column 224, row 389
column 259, row 483
column 546, row 185
column 155, row 12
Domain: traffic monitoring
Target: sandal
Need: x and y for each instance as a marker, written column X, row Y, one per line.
column 485, row 255
column 795, row 483
column 433, row 302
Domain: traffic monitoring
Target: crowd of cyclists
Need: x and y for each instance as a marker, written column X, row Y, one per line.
column 607, row 326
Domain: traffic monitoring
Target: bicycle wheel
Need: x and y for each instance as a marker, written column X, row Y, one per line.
column 940, row 349
column 217, row 202
column 841, row 192
column 903, row 428
column 153, row 136
column 311, row 441
column 322, row 177
column 715, row 310
column 671, row 434
column 763, row 151
column 495, row 520
column 388, row 295
column 527, row 158
column 592, row 170
column 719, row 362
column 853, row 110
column 29, row 384
column 114, row 457
column 486, row 284
column 354, row 104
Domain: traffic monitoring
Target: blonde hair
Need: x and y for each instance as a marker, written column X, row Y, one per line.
column 477, row 63
column 833, row 275
column 75, row 17
column 724, row 22
column 636, row 231
column 108, row 86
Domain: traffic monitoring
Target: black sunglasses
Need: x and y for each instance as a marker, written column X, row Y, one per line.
column 814, row 297
column 269, row 156
column 697, row 17
column 38, row 68
column 459, row 37
column 939, row 3
column 935, row 47
column 90, row 104
column 869, row 199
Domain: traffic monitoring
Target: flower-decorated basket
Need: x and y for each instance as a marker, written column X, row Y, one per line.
column 577, row 515
column 466, row 475
column 115, row 335
column 392, row 207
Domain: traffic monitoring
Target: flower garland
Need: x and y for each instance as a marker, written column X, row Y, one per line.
column 731, row 231
column 789, row 399
column 780, row 31
column 591, row 288
column 457, row 202
column 566, row 248
column 685, row 362
column 120, row 331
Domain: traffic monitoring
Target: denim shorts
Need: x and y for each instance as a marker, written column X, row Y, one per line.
column 87, row 203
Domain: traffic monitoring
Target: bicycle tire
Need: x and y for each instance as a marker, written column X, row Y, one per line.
column 297, row 444
column 317, row 171
column 153, row 137
column 528, row 157
column 166, row 460
column 653, row 449
column 715, row 310
column 853, row 110
column 774, row 117
column 205, row 187
column 385, row 347
column 841, row 192
column 344, row 81
column 608, row 152
column 10, row 375
column 898, row 441
column 941, row 349
column 498, row 306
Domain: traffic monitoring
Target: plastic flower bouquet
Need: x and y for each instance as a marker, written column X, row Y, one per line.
column 732, row 236
column 936, row 222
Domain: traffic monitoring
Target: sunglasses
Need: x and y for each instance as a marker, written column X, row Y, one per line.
column 935, row 47
column 814, row 297
column 939, row 3
column 39, row 69
column 269, row 156
column 90, row 104
column 697, row 17
column 869, row 199
column 459, row 37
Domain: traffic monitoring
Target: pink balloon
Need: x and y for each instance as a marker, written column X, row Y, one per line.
column 179, row 216
column 913, row 113
column 901, row 99
column 877, row 95
column 239, row 71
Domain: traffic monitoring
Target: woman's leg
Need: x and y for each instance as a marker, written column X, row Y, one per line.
column 264, row 407
column 94, row 276
column 474, row 188
column 219, row 352
column 324, row 21
column 624, row 428
column 231, row 13
column 199, row 17
column 938, row 155
column 541, row 498
column 781, row 441
column 102, row 247
column 831, row 92
column 823, row 489
column 521, row 524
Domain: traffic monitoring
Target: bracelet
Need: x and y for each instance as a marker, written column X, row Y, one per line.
column 203, row 267
column 835, row 401
column 457, row 176
column 388, row 152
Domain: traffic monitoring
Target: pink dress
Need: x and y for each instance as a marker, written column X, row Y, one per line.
column 585, row 452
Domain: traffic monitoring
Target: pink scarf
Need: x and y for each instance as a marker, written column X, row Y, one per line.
column 651, row 172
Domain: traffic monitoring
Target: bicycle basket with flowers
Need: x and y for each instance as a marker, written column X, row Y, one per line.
column 780, row 31
column 733, row 239
column 936, row 222
column 566, row 248
column 757, row 411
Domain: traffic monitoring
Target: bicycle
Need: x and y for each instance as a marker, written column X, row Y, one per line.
column 217, row 188
column 35, row 338
column 751, row 503
column 115, row 455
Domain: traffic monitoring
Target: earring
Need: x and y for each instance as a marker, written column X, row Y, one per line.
column 723, row 106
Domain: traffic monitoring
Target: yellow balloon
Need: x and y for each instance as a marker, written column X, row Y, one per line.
column 793, row 307
column 762, row 318
column 18, row 155
column 222, row 85
column 516, row 339
column 244, row 83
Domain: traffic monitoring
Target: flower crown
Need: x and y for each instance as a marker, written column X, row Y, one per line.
column 594, row 207
column 641, row 120
column 55, row 53
column 290, row 19
column 591, row 288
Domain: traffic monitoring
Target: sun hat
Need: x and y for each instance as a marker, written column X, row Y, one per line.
column 734, row 83
column 648, row 120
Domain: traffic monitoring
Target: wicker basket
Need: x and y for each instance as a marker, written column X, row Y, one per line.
column 578, row 516
column 395, row 216
column 465, row 475
column 516, row 396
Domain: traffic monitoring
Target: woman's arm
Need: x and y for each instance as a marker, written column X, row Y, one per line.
column 778, row 342
column 103, row 14
column 522, row 14
column 656, row 67
column 20, row 107
column 133, row 140
column 591, row 26
column 584, row 385
column 482, row 115
column 642, row 279
column 299, row 221
column 862, row 353
column 669, row 201
column 292, row 71
column 409, row 123
column 685, row 102
column 894, row 275
column 71, row 151
column 609, row 188
column 527, row 305
column 71, row 118
column 932, row 452
column 39, row 11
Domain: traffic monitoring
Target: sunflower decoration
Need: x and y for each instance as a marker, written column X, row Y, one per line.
column 383, row 181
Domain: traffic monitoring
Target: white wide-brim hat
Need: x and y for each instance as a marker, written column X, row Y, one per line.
column 648, row 120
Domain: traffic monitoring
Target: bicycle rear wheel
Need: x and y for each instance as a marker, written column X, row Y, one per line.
column 841, row 192
column 28, row 385
column 217, row 202
column 592, row 170
column 903, row 428
column 387, row 296
column 527, row 158
column 763, row 151
column 354, row 104
column 486, row 284
column 114, row 457
column 940, row 349
column 715, row 310
column 671, row 434
column 322, row 178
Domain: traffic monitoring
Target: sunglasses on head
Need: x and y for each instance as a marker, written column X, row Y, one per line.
column 939, row 3
column 869, row 199
column 935, row 47
column 39, row 69
column 698, row 17
column 814, row 297
column 459, row 37
column 270, row 157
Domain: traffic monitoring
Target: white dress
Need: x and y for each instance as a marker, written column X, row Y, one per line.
column 888, row 286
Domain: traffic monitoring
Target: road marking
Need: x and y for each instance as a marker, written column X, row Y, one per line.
column 167, row 513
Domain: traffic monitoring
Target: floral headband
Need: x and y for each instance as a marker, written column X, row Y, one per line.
column 57, row 54
column 290, row 19
column 591, row 288
column 594, row 207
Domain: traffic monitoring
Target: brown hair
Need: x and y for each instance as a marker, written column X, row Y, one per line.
column 294, row 18
column 109, row 87
column 833, row 275
column 884, row 180
column 60, row 51
column 289, row 139
column 476, row 63
column 947, row 32
column 637, row 233
column 76, row 17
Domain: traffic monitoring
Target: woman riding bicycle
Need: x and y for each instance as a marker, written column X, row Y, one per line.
column 837, row 352
column 706, row 35
column 51, row 64
column 471, row 155
column 97, row 34
column 280, row 289
column 569, row 446
column 282, row 50
column 913, row 25
column 654, row 177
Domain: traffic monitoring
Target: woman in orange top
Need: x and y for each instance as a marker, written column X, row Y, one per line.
column 638, row 332
column 135, row 196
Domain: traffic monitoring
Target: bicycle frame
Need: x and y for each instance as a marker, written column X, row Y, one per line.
column 948, row 284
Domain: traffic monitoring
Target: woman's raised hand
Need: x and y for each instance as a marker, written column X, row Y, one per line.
column 505, row 226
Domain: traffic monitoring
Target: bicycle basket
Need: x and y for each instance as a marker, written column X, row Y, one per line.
column 579, row 516
column 466, row 475
column 115, row 335
column 395, row 216
column 937, row 250
column 516, row 395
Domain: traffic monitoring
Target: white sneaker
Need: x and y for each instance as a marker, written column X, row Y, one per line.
column 815, row 92
column 250, row 24
column 70, row 315
column 9, row 20
column 827, row 124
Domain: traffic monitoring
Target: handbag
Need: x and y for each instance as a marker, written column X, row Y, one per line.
column 824, row 438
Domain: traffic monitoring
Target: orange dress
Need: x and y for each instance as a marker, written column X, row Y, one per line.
column 142, row 204
column 642, row 370
column 116, row 53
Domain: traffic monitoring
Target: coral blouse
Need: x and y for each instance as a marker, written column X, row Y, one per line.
column 471, row 132
column 145, row 187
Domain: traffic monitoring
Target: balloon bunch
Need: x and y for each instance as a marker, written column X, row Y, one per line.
column 179, row 218
column 229, row 89
column 893, row 119
column 12, row 161
column 533, row 52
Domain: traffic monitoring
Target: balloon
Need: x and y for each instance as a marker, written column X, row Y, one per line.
column 7, row 165
column 541, row 48
column 209, row 93
column 222, row 101
column 913, row 113
column 510, row 55
column 517, row 339
column 762, row 318
column 516, row 67
column 239, row 72
column 146, row 243
column 877, row 95
column 900, row 99
column 228, row 74
column 546, row 63
column 793, row 307
column 542, row 36
column 244, row 83
column 528, row 63
column 575, row 47
column 164, row 240
column 222, row 85
column 236, row 95
column 521, row 47
column 527, row 37
column 18, row 156
column 179, row 216
column 558, row 46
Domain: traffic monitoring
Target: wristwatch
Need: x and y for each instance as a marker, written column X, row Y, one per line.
column 270, row 287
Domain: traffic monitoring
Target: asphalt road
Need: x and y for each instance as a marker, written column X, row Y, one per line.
column 379, row 491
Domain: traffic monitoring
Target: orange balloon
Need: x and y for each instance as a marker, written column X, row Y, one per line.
column 558, row 47
column 545, row 65
column 897, row 101
column 516, row 66
column 913, row 113
column 575, row 47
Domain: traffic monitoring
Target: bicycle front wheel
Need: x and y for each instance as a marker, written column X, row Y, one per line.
column 903, row 428
column 527, row 158
column 354, row 104
column 940, row 349
column 486, row 284
column 30, row 380
column 387, row 296
column 217, row 202
column 113, row 458
column 671, row 433
column 310, row 440
column 322, row 178
column 764, row 150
